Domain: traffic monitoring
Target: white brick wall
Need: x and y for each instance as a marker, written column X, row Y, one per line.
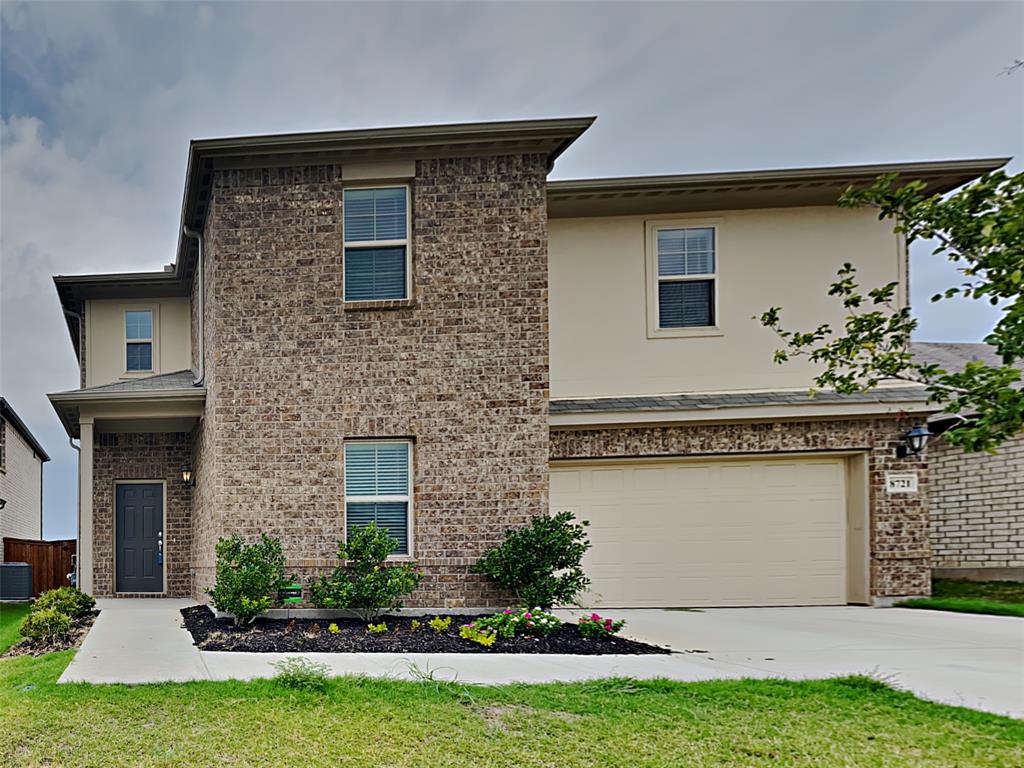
column 20, row 484
column 977, row 506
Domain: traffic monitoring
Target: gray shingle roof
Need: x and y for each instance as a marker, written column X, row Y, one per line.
column 159, row 383
column 952, row 356
column 710, row 401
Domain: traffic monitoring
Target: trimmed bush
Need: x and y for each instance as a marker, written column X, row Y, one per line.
column 248, row 576
column 67, row 600
column 47, row 625
column 540, row 564
column 367, row 585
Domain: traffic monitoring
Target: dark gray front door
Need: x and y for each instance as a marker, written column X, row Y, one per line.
column 139, row 535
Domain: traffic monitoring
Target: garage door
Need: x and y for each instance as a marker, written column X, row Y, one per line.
column 710, row 533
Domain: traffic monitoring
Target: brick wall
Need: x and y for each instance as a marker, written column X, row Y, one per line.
column 977, row 506
column 899, row 522
column 462, row 369
column 149, row 456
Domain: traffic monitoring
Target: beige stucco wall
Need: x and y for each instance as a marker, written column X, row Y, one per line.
column 21, row 486
column 785, row 257
column 105, row 352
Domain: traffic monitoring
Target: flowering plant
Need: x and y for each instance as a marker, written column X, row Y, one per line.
column 510, row 623
column 597, row 626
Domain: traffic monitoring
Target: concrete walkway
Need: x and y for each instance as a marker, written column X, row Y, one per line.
column 137, row 641
column 973, row 661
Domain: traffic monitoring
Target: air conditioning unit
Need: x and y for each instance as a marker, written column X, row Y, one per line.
column 15, row 581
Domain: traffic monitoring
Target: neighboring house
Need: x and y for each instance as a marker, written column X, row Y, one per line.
column 413, row 326
column 976, row 499
column 21, row 479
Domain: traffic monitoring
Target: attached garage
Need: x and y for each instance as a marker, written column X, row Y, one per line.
column 720, row 532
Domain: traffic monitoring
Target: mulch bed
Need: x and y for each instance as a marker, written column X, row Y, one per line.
column 311, row 636
column 79, row 629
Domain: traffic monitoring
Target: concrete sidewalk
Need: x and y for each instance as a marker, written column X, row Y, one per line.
column 972, row 661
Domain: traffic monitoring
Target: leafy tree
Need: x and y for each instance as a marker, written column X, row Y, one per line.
column 540, row 564
column 981, row 228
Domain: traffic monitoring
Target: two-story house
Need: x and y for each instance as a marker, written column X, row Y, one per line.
column 413, row 326
column 21, row 479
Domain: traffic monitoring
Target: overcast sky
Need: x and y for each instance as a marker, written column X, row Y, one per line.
column 98, row 103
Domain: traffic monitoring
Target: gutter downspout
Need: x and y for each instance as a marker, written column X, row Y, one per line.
column 78, row 523
column 200, row 268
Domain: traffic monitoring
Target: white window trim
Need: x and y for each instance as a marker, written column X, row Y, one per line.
column 653, row 279
column 358, row 244
column 154, row 331
column 407, row 497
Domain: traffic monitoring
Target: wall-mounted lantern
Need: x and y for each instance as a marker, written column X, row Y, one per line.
column 187, row 475
column 913, row 442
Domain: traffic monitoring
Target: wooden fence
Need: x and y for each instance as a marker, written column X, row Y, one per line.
column 51, row 561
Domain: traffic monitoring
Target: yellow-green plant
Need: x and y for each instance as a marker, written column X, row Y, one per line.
column 485, row 637
column 333, row 628
column 377, row 629
column 440, row 625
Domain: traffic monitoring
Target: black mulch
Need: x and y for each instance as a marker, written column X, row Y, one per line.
column 79, row 629
column 312, row 636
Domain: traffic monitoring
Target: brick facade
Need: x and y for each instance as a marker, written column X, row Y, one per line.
column 977, row 506
column 462, row 368
column 899, row 522
column 149, row 456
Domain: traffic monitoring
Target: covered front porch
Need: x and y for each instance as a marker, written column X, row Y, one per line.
column 135, row 506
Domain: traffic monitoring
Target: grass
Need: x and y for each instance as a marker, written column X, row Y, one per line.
column 11, row 615
column 612, row 723
column 998, row 598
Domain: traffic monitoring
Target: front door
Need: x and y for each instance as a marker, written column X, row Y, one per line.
column 139, row 536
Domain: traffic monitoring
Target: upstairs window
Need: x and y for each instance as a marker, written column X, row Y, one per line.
column 378, row 488
column 685, row 262
column 376, row 235
column 138, row 334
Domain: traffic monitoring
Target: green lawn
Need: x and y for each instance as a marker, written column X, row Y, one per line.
column 10, row 619
column 1000, row 598
column 376, row 723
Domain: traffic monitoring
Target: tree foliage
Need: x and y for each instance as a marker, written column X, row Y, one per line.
column 981, row 229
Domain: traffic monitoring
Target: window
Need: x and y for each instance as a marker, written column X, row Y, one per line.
column 685, row 264
column 378, row 488
column 376, row 224
column 138, row 334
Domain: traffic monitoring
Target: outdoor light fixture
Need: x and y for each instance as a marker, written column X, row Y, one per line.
column 913, row 442
column 186, row 475
column 3, row 503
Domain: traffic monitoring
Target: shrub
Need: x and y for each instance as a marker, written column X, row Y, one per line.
column 47, row 624
column 540, row 564
column 333, row 628
column 367, row 586
column 485, row 637
column 301, row 674
column 597, row 626
column 415, row 624
column 510, row 623
column 440, row 625
column 248, row 576
column 377, row 629
column 67, row 600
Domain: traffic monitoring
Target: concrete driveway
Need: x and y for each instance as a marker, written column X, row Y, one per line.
column 956, row 658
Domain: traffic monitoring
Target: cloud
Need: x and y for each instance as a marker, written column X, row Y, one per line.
column 100, row 101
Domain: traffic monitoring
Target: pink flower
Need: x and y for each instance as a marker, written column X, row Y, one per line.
column 595, row 617
column 508, row 610
column 527, row 615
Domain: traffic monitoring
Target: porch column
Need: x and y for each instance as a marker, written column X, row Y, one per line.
column 85, row 505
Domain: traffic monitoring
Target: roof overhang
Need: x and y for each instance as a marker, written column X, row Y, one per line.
column 737, row 407
column 7, row 413
column 159, row 408
column 747, row 189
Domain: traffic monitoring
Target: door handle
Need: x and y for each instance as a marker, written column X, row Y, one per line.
column 160, row 548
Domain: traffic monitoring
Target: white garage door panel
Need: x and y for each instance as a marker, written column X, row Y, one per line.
column 714, row 533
